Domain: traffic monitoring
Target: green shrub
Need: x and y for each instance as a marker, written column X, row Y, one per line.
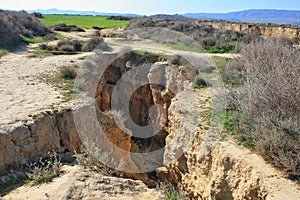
column 223, row 49
column 174, row 194
column 3, row 52
column 201, row 83
column 171, row 192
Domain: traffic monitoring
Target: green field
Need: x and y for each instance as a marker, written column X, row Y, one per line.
column 83, row 21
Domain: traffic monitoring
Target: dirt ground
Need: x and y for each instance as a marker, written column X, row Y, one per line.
column 79, row 183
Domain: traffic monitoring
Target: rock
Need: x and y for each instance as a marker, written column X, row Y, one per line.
column 268, row 31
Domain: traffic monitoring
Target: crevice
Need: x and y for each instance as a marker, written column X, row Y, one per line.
column 142, row 110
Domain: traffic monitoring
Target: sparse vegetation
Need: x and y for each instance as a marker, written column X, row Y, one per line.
column 29, row 40
column 201, row 83
column 85, row 159
column 3, row 52
column 39, row 39
column 45, row 170
column 171, row 192
column 193, row 35
column 41, row 51
column 183, row 47
column 64, row 80
column 174, row 194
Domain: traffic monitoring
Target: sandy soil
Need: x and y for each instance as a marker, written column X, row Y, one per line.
column 80, row 183
column 22, row 93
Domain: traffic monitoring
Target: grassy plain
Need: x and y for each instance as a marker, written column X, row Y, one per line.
column 83, row 21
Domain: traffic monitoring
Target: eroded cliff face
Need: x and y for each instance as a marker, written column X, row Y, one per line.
column 53, row 131
column 292, row 33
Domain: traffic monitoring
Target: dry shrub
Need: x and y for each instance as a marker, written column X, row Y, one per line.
column 45, row 47
column 37, row 15
column 92, row 44
column 13, row 24
column 265, row 89
column 69, row 45
column 268, row 73
column 68, row 72
column 68, row 28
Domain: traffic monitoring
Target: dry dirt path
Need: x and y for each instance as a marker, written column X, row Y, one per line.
column 154, row 47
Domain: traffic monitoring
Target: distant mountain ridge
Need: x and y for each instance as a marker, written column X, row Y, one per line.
column 74, row 12
column 254, row 15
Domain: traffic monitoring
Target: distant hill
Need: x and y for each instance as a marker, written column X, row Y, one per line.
column 261, row 16
column 164, row 16
column 74, row 12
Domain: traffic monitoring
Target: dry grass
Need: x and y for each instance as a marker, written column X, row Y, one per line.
column 265, row 90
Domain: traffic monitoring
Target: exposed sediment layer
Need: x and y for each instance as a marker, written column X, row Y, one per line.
column 54, row 131
column 265, row 30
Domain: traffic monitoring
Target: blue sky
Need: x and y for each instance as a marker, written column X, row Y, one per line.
column 151, row 6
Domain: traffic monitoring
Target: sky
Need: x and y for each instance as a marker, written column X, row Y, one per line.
column 148, row 7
